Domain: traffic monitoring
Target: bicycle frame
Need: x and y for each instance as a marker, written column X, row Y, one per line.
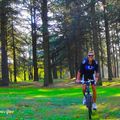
column 88, row 86
column 88, row 97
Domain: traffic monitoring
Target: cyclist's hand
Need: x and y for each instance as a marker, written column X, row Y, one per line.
column 96, row 79
column 82, row 81
column 77, row 81
column 95, row 83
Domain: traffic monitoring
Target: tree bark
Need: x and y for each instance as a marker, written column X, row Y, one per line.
column 70, row 61
column 95, row 38
column 24, row 75
column 117, row 54
column 117, row 63
column 114, row 62
column 4, row 58
column 47, row 66
column 101, row 51
column 102, row 58
column 107, row 43
column 34, row 41
column 54, row 69
column 61, row 70
column 14, row 54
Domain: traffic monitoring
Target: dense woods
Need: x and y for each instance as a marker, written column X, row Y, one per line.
column 47, row 39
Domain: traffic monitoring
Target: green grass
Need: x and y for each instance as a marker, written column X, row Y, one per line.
column 31, row 103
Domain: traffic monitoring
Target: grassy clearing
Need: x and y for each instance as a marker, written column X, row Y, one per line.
column 31, row 103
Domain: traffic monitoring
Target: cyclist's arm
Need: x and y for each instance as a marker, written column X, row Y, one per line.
column 78, row 77
column 96, row 77
column 96, row 71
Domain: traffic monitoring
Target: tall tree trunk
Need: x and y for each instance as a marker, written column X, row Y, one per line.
column 70, row 61
column 61, row 70
column 101, row 51
column 24, row 75
column 55, row 72
column 117, row 63
column 54, row 69
column 117, row 54
column 14, row 54
column 95, row 37
column 102, row 58
column 107, row 43
column 70, row 55
column 47, row 66
column 114, row 62
column 34, row 41
column 79, row 50
column 10, row 75
column 76, row 57
column 119, row 51
column 4, row 58
column 30, row 73
column 91, row 40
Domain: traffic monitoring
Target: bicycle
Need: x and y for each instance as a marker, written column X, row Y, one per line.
column 88, row 97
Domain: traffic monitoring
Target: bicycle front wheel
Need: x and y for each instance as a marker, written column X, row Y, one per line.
column 90, row 113
column 89, row 105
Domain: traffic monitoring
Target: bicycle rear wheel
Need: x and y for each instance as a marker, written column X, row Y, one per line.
column 89, row 105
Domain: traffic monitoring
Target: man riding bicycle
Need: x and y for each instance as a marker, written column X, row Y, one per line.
column 89, row 70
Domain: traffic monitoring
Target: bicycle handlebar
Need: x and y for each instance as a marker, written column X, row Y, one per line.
column 89, row 81
column 86, row 82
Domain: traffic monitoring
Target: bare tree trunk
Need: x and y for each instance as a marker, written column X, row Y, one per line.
column 117, row 63
column 60, row 70
column 95, row 37
column 4, row 58
column 55, row 72
column 70, row 55
column 24, row 75
column 102, row 59
column 10, row 76
column 114, row 62
column 107, row 43
column 101, row 51
column 79, row 51
column 117, row 54
column 70, row 62
column 30, row 73
column 54, row 69
column 47, row 65
column 76, row 57
column 34, row 40
column 14, row 54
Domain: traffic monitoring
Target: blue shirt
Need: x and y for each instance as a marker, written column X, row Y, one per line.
column 87, row 69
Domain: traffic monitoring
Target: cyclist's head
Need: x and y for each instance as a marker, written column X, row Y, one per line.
column 90, row 55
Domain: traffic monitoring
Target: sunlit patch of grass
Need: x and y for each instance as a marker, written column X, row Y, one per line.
column 114, row 82
column 117, row 95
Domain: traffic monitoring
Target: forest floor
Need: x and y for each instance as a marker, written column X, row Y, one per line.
column 62, row 101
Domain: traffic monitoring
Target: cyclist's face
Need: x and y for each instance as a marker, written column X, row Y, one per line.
column 90, row 57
